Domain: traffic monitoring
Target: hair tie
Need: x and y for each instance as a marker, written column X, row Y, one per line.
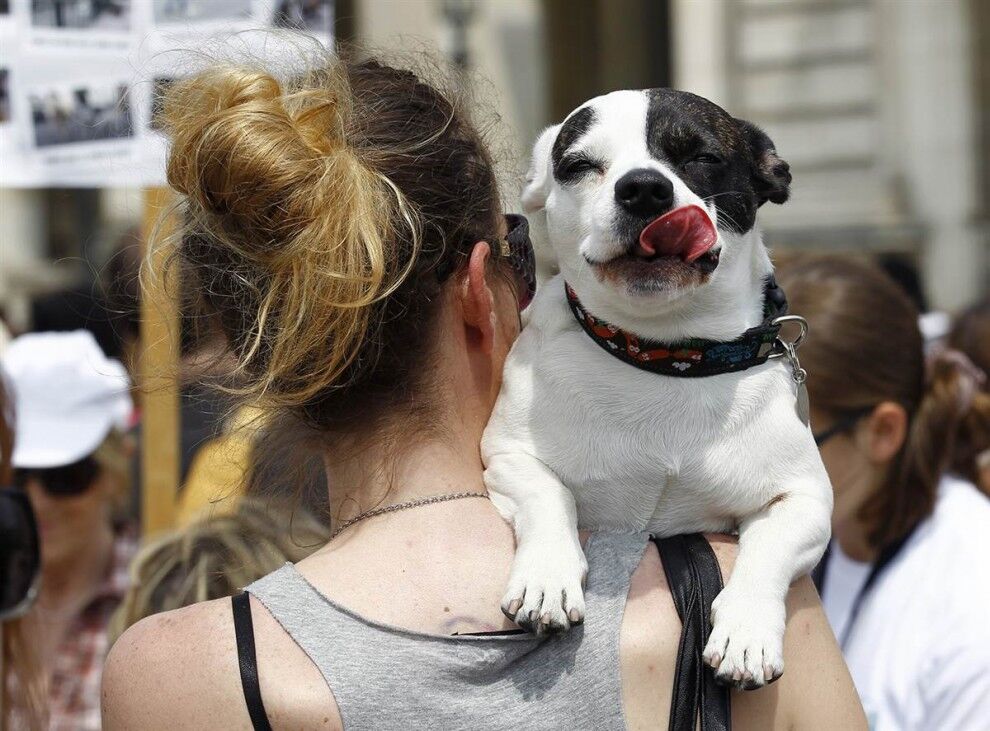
column 972, row 378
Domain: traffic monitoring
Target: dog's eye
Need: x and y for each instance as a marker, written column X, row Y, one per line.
column 706, row 158
column 575, row 166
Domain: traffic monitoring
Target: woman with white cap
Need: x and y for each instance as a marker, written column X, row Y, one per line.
column 71, row 458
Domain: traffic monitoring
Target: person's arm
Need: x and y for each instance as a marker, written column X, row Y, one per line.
column 816, row 690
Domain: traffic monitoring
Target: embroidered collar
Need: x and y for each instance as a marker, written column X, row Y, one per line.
column 694, row 357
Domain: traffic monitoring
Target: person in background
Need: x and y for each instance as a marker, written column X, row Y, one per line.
column 906, row 579
column 970, row 334
column 22, row 702
column 217, row 557
column 72, row 460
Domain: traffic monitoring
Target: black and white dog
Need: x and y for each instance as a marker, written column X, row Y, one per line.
column 649, row 200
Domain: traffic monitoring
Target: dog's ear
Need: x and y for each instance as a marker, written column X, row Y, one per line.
column 771, row 174
column 537, row 188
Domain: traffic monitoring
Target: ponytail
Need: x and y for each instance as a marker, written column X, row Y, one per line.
column 908, row 493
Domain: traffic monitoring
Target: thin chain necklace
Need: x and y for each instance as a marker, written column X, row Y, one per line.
column 403, row 506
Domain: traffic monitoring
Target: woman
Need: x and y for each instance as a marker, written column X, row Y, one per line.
column 73, row 462
column 907, row 577
column 346, row 232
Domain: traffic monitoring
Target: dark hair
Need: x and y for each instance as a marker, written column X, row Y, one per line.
column 970, row 335
column 865, row 348
column 317, row 211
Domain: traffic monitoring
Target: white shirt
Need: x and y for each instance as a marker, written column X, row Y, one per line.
column 919, row 650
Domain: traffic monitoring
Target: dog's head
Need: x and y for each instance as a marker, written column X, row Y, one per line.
column 650, row 195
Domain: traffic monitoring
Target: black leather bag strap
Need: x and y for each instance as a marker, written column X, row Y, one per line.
column 248, row 661
column 695, row 580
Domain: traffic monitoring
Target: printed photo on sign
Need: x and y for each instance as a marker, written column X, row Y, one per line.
column 80, row 114
column 312, row 16
column 191, row 11
column 99, row 15
column 159, row 87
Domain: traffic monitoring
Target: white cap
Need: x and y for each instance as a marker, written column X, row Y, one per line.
column 67, row 397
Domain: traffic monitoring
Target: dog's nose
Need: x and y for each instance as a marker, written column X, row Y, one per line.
column 644, row 192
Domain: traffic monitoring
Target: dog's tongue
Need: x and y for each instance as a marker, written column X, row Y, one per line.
column 686, row 232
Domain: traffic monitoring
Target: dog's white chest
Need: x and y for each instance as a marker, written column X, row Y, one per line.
column 640, row 451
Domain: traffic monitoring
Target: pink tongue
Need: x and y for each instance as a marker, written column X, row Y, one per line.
column 686, row 232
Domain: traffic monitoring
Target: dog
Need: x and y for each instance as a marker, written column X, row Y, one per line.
column 648, row 200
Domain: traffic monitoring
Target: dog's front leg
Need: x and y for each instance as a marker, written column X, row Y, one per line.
column 776, row 545
column 545, row 591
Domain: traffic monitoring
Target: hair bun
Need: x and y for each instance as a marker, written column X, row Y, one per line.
column 243, row 146
column 288, row 229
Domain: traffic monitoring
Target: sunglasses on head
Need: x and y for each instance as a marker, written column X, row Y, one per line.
column 65, row 481
column 20, row 554
column 517, row 248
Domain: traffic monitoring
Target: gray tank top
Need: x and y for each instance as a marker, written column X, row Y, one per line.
column 385, row 677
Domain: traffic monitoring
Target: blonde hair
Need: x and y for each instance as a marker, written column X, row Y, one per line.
column 24, row 695
column 316, row 212
column 216, row 557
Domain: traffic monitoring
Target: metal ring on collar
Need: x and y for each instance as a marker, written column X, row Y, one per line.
column 802, row 334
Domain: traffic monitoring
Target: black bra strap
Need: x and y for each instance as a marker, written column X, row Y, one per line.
column 248, row 661
column 695, row 580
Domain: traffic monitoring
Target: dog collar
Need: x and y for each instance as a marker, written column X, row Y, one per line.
column 694, row 357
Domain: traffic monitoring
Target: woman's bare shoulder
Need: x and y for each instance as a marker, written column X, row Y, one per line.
column 175, row 670
column 180, row 670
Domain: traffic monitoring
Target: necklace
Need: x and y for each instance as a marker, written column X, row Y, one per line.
column 403, row 506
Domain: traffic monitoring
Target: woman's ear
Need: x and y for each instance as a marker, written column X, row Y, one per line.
column 477, row 299
column 883, row 432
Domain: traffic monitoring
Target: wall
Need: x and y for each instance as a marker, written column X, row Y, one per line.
column 505, row 44
column 873, row 103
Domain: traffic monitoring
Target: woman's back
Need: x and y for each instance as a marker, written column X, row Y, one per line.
column 391, row 659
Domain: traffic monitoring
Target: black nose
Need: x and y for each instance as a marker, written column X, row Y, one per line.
column 644, row 192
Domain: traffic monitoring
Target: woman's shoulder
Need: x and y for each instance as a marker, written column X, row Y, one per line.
column 962, row 512
column 176, row 670
column 958, row 528
column 180, row 670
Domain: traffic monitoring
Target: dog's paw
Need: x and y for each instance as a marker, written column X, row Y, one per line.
column 546, row 586
column 746, row 646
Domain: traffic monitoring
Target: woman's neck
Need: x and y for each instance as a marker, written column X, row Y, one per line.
column 432, row 466
column 853, row 538
column 853, row 491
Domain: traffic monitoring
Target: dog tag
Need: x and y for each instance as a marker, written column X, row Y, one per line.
column 803, row 404
column 800, row 375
